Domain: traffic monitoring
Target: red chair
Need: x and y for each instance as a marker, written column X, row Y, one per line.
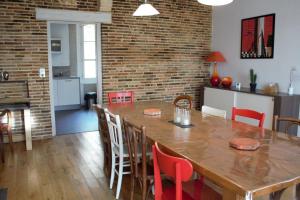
column 120, row 97
column 179, row 170
column 250, row 114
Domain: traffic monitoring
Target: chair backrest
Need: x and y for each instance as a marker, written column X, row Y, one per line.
column 115, row 131
column 213, row 111
column 187, row 98
column 136, row 141
column 289, row 122
column 249, row 114
column 120, row 97
column 179, row 169
column 102, row 122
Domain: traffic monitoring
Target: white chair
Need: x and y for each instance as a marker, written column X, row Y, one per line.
column 118, row 150
column 214, row 111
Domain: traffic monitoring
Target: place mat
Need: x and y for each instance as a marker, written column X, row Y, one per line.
column 181, row 126
column 3, row 193
column 246, row 144
column 152, row 111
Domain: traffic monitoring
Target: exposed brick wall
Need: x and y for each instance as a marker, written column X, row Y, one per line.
column 157, row 57
column 23, row 50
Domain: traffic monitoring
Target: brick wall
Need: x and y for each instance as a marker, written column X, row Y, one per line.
column 156, row 57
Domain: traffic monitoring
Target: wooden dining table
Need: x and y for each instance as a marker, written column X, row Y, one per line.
column 247, row 175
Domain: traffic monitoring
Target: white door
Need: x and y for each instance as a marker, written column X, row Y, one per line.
column 258, row 103
column 221, row 99
column 68, row 92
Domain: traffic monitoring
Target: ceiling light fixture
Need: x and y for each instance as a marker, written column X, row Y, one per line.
column 215, row 2
column 146, row 9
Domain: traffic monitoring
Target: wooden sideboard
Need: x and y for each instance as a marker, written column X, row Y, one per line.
column 280, row 104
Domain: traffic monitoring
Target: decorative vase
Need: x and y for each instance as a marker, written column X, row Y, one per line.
column 252, row 87
column 215, row 81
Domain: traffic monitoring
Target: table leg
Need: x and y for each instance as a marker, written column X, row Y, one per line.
column 230, row 195
column 27, row 122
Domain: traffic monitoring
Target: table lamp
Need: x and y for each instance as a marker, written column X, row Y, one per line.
column 215, row 57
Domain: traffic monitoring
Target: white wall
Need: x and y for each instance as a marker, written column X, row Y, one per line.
column 61, row 31
column 227, row 39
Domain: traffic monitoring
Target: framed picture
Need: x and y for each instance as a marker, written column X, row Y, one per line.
column 55, row 45
column 257, row 37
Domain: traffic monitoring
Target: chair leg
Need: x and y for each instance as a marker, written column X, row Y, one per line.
column 149, row 189
column 120, row 177
column 112, row 172
column 9, row 133
column 132, row 179
column 2, row 148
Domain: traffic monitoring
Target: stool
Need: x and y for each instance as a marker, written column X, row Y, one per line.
column 90, row 99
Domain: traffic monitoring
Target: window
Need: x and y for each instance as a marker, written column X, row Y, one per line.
column 89, row 51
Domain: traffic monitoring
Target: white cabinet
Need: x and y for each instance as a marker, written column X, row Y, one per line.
column 66, row 92
column 221, row 99
column 258, row 103
column 226, row 99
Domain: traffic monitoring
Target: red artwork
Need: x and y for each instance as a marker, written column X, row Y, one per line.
column 258, row 37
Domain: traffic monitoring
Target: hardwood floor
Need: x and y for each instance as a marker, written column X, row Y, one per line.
column 68, row 167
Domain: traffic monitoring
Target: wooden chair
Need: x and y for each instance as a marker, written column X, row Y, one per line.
column 120, row 97
column 5, row 127
column 180, row 170
column 250, row 114
column 213, row 111
column 105, row 139
column 137, row 149
column 188, row 98
column 119, row 153
column 289, row 123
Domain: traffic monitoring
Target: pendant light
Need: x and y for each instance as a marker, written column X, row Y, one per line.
column 215, row 2
column 146, row 9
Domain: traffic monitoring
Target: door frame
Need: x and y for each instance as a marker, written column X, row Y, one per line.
column 98, row 70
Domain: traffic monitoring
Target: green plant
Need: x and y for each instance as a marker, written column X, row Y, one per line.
column 253, row 77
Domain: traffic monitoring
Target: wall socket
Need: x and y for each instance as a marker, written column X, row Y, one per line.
column 42, row 72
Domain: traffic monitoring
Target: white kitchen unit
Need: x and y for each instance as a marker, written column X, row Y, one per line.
column 66, row 93
column 280, row 104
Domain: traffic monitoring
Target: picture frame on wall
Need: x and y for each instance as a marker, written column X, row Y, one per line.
column 56, row 45
column 257, row 37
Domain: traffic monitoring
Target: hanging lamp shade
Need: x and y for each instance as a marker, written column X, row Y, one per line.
column 215, row 2
column 146, row 9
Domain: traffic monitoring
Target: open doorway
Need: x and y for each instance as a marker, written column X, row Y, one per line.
column 74, row 48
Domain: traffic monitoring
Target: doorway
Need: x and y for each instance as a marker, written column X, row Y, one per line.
column 74, row 50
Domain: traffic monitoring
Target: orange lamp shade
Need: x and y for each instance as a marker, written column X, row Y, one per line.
column 215, row 56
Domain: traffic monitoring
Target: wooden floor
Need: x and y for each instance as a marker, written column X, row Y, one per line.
column 65, row 167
